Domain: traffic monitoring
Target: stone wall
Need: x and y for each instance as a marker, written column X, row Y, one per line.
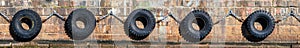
column 111, row 29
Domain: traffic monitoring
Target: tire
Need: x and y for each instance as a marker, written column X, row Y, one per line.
column 29, row 17
column 147, row 19
column 76, row 32
column 202, row 19
column 247, row 35
column 265, row 19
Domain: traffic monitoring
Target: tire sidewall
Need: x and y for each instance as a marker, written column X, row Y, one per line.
column 187, row 31
column 18, row 32
column 85, row 16
column 131, row 28
column 268, row 29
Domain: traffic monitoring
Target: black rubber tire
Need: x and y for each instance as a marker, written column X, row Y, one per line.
column 86, row 17
column 131, row 29
column 247, row 35
column 202, row 19
column 265, row 19
column 29, row 17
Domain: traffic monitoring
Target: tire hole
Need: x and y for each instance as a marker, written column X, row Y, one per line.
column 198, row 24
column 195, row 26
column 139, row 24
column 258, row 26
column 80, row 24
column 25, row 26
column 26, row 23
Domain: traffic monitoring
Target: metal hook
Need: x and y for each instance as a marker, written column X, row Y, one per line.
column 55, row 14
column 295, row 16
column 110, row 12
column 230, row 13
column 169, row 14
column 163, row 17
column 290, row 14
column 5, row 17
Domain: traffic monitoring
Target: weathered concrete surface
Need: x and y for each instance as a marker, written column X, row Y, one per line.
column 137, row 44
column 111, row 29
